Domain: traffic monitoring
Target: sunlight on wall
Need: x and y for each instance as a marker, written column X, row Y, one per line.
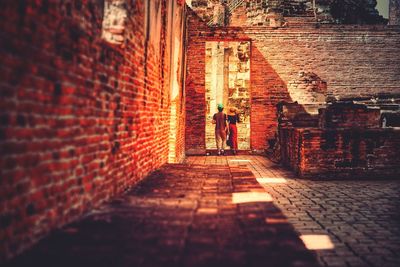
column 207, row 211
column 317, row 242
column 247, row 197
column 172, row 133
column 175, row 48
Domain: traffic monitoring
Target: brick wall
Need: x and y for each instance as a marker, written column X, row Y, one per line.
column 394, row 12
column 341, row 153
column 276, row 12
column 239, row 16
column 195, row 96
column 176, row 48
column 352, row 60
column 80, row 119
column 349, row 115
column 348, row 142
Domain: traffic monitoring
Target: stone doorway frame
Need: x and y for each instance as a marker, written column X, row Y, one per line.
column 229, row 40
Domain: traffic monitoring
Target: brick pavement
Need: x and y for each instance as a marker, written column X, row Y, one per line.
column 362, row 218
column 182, row 215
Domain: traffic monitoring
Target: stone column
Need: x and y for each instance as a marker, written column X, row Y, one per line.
column 394, row 12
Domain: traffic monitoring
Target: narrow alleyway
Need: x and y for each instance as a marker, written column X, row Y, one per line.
column 182, row 215
column 104, row 105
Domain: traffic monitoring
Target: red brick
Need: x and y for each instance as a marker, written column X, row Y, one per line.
column 77, row 111
column 352, row 61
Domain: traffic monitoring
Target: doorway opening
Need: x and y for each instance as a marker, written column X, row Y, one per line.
column 228, row 83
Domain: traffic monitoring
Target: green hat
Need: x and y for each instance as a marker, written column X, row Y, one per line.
column 220, row 106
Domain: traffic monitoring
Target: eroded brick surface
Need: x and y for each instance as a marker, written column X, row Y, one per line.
column 360, row 217
column 334, row 54
column 180, row 216
column 82, row 119
column 348, row 142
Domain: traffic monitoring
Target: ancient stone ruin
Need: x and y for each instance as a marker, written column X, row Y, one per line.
column 96, row 95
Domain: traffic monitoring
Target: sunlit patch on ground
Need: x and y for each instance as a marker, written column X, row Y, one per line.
column 312, row 206
column 181, row 215
column 247, row 197
column 271, row 180
column 240, row 160
column 317, row 242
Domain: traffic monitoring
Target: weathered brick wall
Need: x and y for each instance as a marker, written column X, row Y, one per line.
column 352, row 60
column 394, row 12
column 289, row 140
column 195, row 95
column 349, row 115
column 176, row 45
column 239, row 16
column 275, row 12
column 342, row 153
column 349, row 142
column 351, row 12
column 80, row 119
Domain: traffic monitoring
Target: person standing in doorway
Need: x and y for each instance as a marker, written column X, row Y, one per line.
column 233, row 118
column 221, row 128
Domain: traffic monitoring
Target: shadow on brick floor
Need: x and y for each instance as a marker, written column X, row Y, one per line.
column 181, row 215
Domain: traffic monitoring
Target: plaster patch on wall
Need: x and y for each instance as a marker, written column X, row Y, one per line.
column 115, row 15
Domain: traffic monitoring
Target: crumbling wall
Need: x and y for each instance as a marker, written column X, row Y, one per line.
column 204, row 8
column 84, row 114
column 349, row 142
column 239, row 16
column 275, row 13
column 337, row 61
column 355, row 12
column 394, row 12
column 308, row 88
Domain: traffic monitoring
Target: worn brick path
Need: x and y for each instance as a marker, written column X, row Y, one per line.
column 362, row 218
column 182, row 215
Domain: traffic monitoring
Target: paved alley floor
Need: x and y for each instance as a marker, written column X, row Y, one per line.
column 194, row 214
column 360, row 217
